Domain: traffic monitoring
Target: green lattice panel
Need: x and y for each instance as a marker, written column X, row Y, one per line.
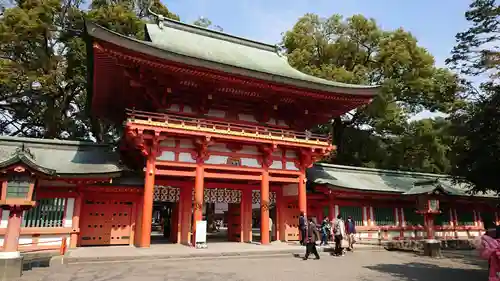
column 48, row 212
column 384, row 216
column 354, row 211
column 412, row 218
column 465, row 217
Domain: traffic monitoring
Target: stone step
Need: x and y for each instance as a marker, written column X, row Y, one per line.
column 199, row 255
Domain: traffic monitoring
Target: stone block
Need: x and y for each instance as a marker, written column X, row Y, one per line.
column 432, row 248
column 11, row 268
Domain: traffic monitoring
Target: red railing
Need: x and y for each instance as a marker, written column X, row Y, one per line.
column 274, row 133
column 62, row 246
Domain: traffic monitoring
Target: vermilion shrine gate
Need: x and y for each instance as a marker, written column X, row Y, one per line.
column 209, row 110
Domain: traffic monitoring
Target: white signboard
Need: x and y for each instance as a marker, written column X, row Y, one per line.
column 201, row 232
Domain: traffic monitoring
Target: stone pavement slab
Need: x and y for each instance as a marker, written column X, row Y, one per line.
column 357, row 266
column 176, row 251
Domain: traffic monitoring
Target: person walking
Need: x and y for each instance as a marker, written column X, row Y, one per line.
column 311, row 237
column 351, row 232
column 326, row 228
column 338, row 235
column 302, row 228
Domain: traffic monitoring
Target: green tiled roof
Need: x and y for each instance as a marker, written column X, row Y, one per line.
column 196, row 46
column 376, row 180
column 60, row 158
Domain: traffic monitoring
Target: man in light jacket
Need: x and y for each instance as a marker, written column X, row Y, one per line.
column 338, row 234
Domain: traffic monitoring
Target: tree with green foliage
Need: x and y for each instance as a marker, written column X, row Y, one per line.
column 43, row 63
column 206, row 23
column 476, row 130
column 356, row 50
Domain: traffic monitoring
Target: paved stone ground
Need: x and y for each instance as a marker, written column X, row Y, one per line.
column 358, row 266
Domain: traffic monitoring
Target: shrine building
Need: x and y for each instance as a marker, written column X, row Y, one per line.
column 208, row 118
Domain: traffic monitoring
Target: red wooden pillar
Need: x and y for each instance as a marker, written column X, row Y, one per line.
column 280, row 230
column 147, row 203
column 11, row 242
column 246, row 215
column 264, row 208
column 331, row 210
column 75, row 224
column 198, row 199
column 302, row 193
column 185, row 203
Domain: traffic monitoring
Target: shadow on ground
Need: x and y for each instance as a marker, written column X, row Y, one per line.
column 429, row 272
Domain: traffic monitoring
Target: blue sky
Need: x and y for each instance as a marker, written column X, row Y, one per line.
column 433, row 22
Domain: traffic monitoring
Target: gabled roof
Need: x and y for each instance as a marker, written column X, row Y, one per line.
column 196, row 46
column 60, row 158
column 376, row 180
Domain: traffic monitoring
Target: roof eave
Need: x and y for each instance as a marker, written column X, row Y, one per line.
column 23, row 159
column 101, row 33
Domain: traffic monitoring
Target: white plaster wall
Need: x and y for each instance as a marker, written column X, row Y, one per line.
column 25, row 239
column 282, row 123
column 70, row 206
column 168, row 143
column 475, row 233
column 271, row 121
column 187, row 109
column 219, row 147
column 393, row 234
column 365, row 216
column 277, row 165
column 216, row 113
column 372, row 216
column 186, row 157
column 5, row 219
column 246, row 117
column 291, row 154
column 52, row 240
column 409, row 234
column 217, row 160
column 174, row 107
column 402, row 212
column 462, row 234
column 184, row 143
column 249, row 149
column 250, row 162
column 291, row 166
column 167, row 156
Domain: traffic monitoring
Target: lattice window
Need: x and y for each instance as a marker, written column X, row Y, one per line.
column 384, row 216
column 18, row 186
column 356, row 212
column 412, row 218
column 48, row 212
column 465, row 217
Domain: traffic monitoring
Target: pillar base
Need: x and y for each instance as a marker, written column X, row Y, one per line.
column 11, row 265
column 432, row 248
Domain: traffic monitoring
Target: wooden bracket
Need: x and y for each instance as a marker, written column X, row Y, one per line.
column 202, row 144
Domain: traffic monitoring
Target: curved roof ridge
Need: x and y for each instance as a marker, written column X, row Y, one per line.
column 216, row 34
column 27, row 140
column 381, row 171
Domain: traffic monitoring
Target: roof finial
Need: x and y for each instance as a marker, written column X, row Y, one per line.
column 159, row 17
